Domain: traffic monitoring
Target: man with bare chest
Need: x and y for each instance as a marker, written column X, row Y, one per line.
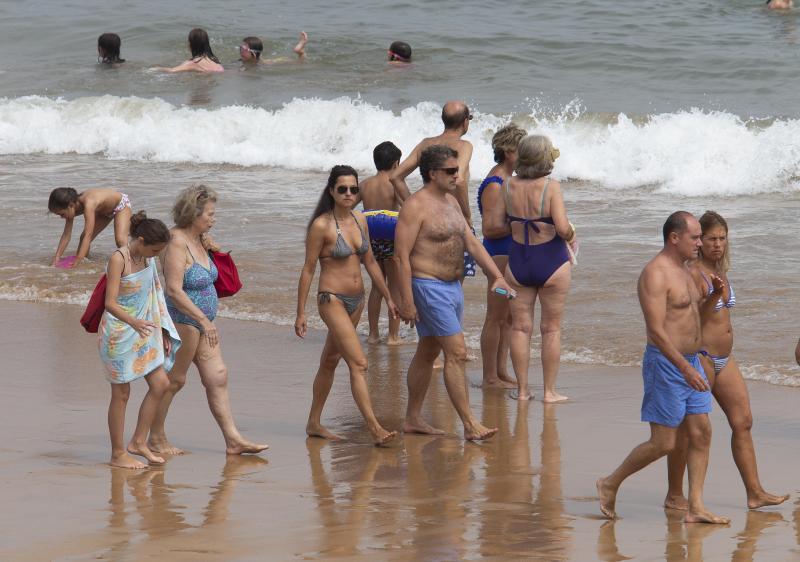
column 675, row 387
column 430, row 240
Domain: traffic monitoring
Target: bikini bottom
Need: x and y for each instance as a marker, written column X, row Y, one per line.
column 719, row 360
column 350, row 302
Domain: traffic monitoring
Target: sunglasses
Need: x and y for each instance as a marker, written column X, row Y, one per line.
column 448, row 171
column 342, row 189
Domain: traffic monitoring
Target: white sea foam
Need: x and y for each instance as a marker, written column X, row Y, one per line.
column 688, row 153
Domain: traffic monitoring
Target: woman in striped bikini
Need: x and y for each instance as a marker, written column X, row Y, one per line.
column 710, row 272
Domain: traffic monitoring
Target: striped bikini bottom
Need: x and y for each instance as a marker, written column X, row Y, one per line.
column 719, row 360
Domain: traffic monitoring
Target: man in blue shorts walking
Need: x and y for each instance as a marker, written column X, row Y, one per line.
column 675, row 387
column 429, row 244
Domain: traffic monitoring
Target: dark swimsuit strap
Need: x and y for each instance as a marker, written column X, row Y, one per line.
column 526, row 222
column 124, row 260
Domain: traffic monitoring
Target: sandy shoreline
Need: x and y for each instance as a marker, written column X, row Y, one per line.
column 529, row 493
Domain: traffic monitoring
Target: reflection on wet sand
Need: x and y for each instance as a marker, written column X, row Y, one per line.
column 757, row 522
column 685, row 541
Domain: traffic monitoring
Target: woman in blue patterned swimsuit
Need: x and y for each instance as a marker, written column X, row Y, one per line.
column 496, row 240
column 192, row 302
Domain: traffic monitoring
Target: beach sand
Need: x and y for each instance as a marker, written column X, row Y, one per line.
column 528, row 493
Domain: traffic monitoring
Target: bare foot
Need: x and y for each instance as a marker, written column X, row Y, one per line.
column 705, row 517
column 394, row 340
column 516, row 395
column 164, row 447
column 505, row 377
column 764, row 499
column 676, row 502
column 318, row 430
column 373, row 338
column 124, row 460
column 245, row 447
column 419, row 426
column 383, row 437
column 608, row 499
column 498, row 383
column 300, row 48
column 143, row 450
column 553, row 397
column 479, row 432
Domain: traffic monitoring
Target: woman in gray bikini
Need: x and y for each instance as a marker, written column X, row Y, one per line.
column 339, row 238
column 710, row 272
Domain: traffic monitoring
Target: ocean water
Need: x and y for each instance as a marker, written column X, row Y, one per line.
column 655, row 108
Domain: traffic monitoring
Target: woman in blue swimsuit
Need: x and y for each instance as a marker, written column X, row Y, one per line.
column 496, row 240
column 192, row 303
column 338, row 237
column 538, row 260
column 727, row 384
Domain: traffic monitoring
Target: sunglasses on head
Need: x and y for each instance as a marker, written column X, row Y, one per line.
column 449, row 171
column 342, row 189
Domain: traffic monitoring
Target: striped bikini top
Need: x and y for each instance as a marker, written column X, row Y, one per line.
column 730, row 303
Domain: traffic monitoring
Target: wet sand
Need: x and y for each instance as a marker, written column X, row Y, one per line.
column 526, row 494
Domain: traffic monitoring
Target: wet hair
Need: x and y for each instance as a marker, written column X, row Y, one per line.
column 385, row 155
column 326, row 202
column 255, row 45
column 190, row 204
column 535, row 157
column 60, row 198
column 109, row 45
column 432, row 158
column 453, row 119
column 507, row 138
column 712, row 219
column 151, row 231
column 677, row 223
column 402, row 50
column 200, row 45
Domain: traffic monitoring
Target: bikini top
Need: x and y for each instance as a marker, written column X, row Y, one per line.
column 484, row 183
column 342, row 249
column 528, row 222
column 731, row 302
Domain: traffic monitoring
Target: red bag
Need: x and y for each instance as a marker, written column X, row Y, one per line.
column 97, row 305
column 227, row 283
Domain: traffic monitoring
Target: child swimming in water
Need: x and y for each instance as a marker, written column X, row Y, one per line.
column 137, row 337
column 108, row 45
column 99, row 207
column 251, row 48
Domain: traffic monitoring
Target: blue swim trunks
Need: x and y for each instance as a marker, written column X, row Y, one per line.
column 668, row 398
column 440, row 306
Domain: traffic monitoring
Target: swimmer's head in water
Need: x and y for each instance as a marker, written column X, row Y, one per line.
column 456, row 114
column 153, row 232
column 326, row 201
column 62, row 202
column 108, row 46
column 506, row 140
column 200, row 46
column 251, row 49
column 713, row 223
column 399, row 51
column 385, row 156
column 536, row 157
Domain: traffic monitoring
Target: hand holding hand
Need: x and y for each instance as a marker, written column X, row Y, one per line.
column 408, row 312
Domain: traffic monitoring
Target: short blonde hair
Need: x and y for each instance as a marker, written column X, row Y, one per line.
column 190, row 204
column 506, row 138
column 535, row 157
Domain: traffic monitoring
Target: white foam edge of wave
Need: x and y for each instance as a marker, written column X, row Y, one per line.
column 691, row 153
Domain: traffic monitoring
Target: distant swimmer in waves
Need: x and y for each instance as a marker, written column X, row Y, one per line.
column 710, row 274
column 381, row 206
column 108, row 46
column 251, row 50
column 338, row 238
column 203, row 58
column 99, row 208
column 538, row 260
column 399, row 53
column 497, row 240
column 780, row 4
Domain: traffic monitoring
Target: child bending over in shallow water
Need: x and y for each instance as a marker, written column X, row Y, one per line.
column 137, row 337
column 99, row 207
column 251, row 48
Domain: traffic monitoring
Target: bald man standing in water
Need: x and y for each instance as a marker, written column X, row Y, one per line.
column 675, row 386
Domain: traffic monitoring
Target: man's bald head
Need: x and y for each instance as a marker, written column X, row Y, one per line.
column 677, row 222
column 454, row 113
